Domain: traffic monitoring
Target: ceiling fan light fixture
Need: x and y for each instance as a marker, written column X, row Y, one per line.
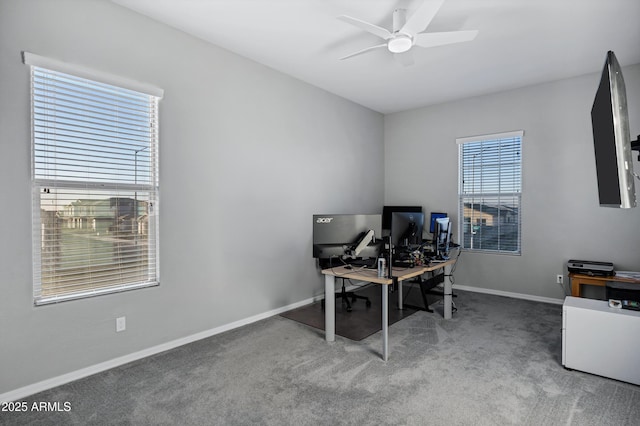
column 399, row 44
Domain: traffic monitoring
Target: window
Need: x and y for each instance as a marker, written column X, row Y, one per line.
column 490, row 192
column 95, row 186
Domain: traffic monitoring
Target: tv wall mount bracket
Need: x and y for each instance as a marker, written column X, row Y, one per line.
column 635, row 146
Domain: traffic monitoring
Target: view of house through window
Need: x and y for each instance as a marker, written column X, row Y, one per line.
column 95, row 187
column 490, row 192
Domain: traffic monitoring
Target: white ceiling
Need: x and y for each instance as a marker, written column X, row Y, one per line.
column 520, row 43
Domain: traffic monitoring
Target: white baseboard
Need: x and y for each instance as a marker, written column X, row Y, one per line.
column 34, row 388
column 509, row 294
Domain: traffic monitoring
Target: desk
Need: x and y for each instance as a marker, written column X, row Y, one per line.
column 577, row 280
column 371, row 275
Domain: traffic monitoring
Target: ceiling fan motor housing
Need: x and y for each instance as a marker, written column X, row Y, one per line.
column 400, row 42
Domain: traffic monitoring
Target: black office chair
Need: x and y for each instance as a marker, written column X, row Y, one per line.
column 345, row 295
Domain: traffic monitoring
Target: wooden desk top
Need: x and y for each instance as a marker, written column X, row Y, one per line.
column 619, row 278
column 358, row 273
column 371, row 275
column 578, row 280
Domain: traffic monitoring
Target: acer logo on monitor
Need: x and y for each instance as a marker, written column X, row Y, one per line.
column 324, row 219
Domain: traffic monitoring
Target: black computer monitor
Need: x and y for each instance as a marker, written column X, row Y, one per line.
column 387, row 211
column 406, row 229
column 346, row 237
column 432, row 223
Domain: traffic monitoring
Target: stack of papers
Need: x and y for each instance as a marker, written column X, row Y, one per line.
column 628, row 274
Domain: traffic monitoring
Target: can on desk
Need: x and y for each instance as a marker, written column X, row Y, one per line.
column 382, row 267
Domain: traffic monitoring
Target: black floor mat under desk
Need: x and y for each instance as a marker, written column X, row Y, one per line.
column 362, row 321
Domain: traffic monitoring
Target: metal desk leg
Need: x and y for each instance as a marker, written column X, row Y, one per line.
column 448, row 291
column 400, row 302
column 329, row 308
column 385, row 322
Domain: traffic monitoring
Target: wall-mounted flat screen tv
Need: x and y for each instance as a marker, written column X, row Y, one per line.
column 612, row 139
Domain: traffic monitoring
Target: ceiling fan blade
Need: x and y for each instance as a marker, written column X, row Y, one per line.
column 422, row 17
column 360, row 52
column 370, row 28
column 440, row 39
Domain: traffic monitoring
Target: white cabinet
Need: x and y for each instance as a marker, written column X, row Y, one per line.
column 601, row 340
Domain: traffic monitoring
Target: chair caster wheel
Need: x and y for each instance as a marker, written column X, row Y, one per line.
column 349, row 309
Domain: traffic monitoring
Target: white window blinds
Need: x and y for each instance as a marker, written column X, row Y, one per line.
column 95, row 187
column 490, row 192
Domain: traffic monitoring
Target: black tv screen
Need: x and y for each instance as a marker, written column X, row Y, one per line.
column 612, row 139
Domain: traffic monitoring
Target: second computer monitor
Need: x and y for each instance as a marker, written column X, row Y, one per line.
column 442, row 237
column 387, row 212
column 406, row 229
column 434, row 216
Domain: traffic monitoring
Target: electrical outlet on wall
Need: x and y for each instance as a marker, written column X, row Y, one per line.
column 559, row 279
column 121, row 324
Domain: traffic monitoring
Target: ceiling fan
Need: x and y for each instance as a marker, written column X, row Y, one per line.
column 409, row 32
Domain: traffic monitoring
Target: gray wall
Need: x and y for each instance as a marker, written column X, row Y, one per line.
column 560, row 213
column 247, row 156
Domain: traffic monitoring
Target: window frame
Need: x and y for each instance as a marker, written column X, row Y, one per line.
column 144, row 189
column 515, row 194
